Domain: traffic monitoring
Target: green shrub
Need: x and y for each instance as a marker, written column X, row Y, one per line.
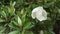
column 15, row 16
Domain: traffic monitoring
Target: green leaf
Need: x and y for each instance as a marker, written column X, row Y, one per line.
column 2, row 20
column 23, row 18
column 28, row 25
column 48, row 4
column 3, row 30
column 48, row 32
column 3, row 14
column 10, row 25
column 28, row 32
column 14, row 32
column 15, row 23
column 11, row 9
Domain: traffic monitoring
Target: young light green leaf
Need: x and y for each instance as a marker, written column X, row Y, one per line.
column 19, row 21
column 11, row 10
column 14, row 3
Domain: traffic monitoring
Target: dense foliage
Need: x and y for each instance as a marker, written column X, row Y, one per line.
column 15, row 16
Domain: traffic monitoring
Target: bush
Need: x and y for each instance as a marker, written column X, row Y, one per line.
column 15, row 16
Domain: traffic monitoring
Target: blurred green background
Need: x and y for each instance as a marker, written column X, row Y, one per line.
column 10, row 10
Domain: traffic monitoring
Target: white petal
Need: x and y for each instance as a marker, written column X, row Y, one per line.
column 33, row 15
column 44, row 14
column 34, row 11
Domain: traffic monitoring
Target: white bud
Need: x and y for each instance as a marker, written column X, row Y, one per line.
column 22, row 11
column 41, row 32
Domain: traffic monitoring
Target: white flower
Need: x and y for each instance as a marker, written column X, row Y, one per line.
column 19, row 21
column 39, row 13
